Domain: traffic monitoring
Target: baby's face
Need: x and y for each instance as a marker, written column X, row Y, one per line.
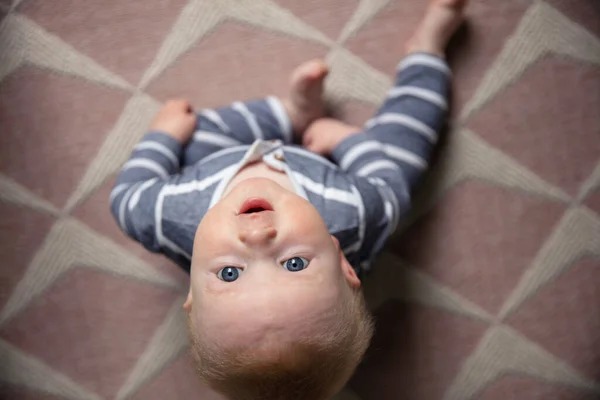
column 264, row 264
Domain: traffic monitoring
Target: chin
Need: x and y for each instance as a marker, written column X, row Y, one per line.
column 256, row 182
column 257, row 187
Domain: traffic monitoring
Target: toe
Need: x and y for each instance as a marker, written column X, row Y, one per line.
column 456, row 4
column 310, row 70
column 318, row 69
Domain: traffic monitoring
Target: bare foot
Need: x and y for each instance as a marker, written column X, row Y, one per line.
column 324, row 135
column 441, row 20
column 305, row 102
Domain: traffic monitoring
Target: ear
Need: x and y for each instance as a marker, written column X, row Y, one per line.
column 347, row 269
column 187, row 306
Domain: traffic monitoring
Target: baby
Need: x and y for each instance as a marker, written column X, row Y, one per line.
column 276, row 236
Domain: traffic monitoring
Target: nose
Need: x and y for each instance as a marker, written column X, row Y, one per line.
column 257, row 235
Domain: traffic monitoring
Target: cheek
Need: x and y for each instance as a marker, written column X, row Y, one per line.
column 203, row 240
column 212, row 241
column 307, row 221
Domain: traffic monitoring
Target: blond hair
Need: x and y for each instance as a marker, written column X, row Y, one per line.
column 303, row 368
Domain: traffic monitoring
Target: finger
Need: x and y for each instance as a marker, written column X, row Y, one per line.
column 315, row 149
column 191, row 119
column 181, row 105
column 307, row 139
column 313, row 146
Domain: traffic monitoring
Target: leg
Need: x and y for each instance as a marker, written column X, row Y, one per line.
column 268, row 119
column 405, row 128
column 442, row 19
column 415, row 110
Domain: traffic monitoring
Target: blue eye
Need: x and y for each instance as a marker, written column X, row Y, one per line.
column 295, row 264
column 229, row 274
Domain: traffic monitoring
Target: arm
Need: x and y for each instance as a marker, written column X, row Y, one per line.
column 397, row 142
column 153, row 162
column 393, row 151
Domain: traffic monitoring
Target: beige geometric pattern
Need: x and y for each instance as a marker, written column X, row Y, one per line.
column 201, row 16
column 128, row 130
column 22, row 41
column 543, row 30
column 352, row 78
column 168, row 342
column 366, row 10
column 392, row 279
column 468, row 157
column 591, row 184
column 21, row 369
column 503, row 351
column 12, row 192
column 70, row 244
column 577, row 236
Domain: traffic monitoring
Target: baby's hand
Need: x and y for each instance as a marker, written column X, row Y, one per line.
column 324, row 135
column 177, row 119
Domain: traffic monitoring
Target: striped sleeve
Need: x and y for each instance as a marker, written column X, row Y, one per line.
column 393, row 151
column 153, row 161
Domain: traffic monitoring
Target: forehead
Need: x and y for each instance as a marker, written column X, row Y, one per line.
column 248, row 316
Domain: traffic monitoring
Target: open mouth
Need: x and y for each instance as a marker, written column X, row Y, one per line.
column 255, row 205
